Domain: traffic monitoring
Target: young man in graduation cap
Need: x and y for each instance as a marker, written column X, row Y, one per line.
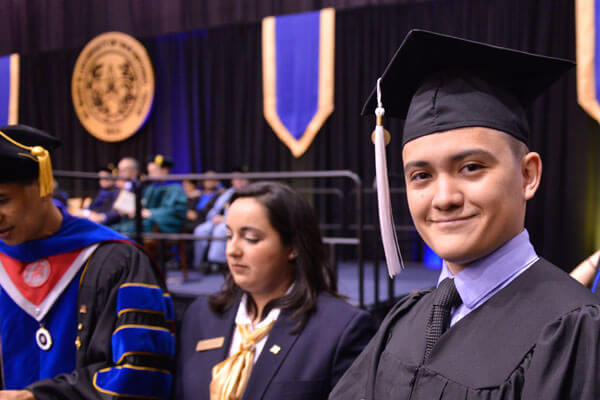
column 502, row 323
column 84, row 314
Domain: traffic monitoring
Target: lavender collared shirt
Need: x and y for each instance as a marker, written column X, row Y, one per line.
column 483, row 278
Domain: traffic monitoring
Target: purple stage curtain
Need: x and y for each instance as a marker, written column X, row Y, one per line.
column 209, row 90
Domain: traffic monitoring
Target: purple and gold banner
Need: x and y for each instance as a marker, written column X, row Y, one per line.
column 9, row 89
column 298, row 75
column 588, row 56
column 587, row 18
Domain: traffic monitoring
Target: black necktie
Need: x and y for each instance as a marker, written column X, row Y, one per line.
column 445, row 297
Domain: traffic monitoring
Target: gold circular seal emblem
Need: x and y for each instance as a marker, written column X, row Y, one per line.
column 113, row 86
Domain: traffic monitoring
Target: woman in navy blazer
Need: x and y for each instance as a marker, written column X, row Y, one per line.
column 276, row 261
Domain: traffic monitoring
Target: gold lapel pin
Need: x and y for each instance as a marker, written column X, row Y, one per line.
column 275, row 349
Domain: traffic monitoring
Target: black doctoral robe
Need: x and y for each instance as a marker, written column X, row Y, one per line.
column 112, row 267
column 537, row 338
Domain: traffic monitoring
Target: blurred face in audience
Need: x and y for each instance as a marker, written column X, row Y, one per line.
column 258, row 260
column 105, row 183
column 126, row 169
column 189, row 187
column 155, row 170
column 210, row 184
column 239, row 183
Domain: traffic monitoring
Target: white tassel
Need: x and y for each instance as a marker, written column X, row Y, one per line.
column 393, row 257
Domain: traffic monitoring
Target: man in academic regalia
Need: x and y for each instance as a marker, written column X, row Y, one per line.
column 84, row 314
column 164, row 203
column 503, row 323
column 101, row 209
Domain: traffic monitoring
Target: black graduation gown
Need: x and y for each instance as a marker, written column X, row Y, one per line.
column 537, row 338
column 110, row 267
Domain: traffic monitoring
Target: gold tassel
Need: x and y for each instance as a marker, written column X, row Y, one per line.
column 42, row 156
column 159, row 160
column 45, row 166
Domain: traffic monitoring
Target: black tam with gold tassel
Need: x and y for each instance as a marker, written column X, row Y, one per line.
column 25, row 156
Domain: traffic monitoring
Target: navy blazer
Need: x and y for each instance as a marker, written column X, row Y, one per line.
column 307, row 366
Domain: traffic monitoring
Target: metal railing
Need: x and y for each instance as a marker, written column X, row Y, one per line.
column 357, row 227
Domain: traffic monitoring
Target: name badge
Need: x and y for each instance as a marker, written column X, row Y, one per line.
column 210, row 344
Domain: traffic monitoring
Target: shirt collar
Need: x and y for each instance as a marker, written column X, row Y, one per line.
column 242, row 317
column 481, row 278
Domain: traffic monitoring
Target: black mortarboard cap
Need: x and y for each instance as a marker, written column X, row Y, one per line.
column 161, row 161
column 24, row 152
column 438, row 82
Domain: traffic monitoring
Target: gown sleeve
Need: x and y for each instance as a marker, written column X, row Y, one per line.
column 358, row 380
column 566, row 358
column 125, row 343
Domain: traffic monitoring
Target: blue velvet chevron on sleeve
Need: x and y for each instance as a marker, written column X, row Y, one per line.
column 142, row 344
